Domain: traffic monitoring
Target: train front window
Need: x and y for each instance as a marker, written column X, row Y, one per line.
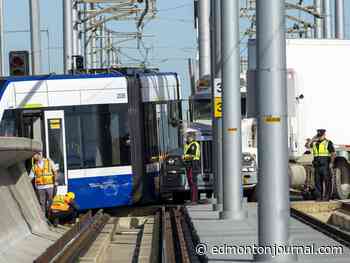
column 97, row 136
column 8, row 124
column 202, row 109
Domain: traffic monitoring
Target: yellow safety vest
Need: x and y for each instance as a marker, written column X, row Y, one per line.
column 44, row 175
column 197, row 155
column 61, row 203
column 322, row 150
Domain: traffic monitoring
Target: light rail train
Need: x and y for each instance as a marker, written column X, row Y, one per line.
column 106, row 132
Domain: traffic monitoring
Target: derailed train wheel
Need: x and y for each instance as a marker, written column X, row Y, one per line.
column 341, row 180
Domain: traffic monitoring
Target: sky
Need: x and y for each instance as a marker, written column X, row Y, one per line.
column 173, row 41
column 174, row 38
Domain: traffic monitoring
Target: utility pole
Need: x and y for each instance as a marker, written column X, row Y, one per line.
column 102, row 44
column 273, row 187
column 75, row 24
column 2, row 35
column 204, row 37
column 216, row 79
column 318, row 21
column 327, row 22
column 339, row 19
column 87, row 61
column 93, row 54
column 35, row 38
column 231, row 122
column 67, row 35
column 109, row 49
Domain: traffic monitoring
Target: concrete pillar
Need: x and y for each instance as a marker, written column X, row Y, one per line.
column 35, row 38
column 67, row 35
column 217, row 122
column 339, row 19
column 318, row 21
column 273, row 186
column 327, row 22
column 231, row 121
column 2, row 39
column 204, row 37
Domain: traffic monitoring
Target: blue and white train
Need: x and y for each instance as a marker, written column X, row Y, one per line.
column 105, row 132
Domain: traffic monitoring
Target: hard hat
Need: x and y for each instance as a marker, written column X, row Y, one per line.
column 70, row 195
column 191, row 135
column 321, row 131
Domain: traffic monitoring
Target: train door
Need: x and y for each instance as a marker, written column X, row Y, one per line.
column 55, row 142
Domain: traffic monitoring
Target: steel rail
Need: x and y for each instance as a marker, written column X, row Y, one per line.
column 73, row 243
column 183, row 251
column 338, row 235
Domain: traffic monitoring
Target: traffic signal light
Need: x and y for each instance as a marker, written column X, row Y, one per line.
column 79, row 62
column 19, row 63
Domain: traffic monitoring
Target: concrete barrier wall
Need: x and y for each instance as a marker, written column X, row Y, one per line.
column 13, row 226
column 24, row 232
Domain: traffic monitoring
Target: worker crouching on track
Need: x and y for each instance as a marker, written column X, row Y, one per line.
column 44, row 174
column 324, row 156
column 192, row 158
column 63, row 209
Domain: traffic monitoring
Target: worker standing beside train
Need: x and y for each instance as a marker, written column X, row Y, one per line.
column 324, row 156
column 192, row 157
column 44, row 174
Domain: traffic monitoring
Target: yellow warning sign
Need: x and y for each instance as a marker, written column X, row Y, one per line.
column 55, row 124
column 232, row 129
column 218, row 107
column 55, row 121
column 272, row 119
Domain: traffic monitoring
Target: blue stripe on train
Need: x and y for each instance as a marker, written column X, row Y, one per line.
column 103, row 191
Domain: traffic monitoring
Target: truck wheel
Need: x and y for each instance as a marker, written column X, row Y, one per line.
column 342, row 181
column 209, row 194
column 179, row 198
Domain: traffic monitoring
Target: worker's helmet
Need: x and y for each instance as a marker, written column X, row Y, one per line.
column 321, row 132
column 71, row 195
column 191, row 136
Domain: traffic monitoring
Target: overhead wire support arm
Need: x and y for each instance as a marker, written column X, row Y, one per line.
column 309, row 10
column 144, row 13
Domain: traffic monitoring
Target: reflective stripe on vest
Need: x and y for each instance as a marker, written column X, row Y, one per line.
column 60, row 203
column 197, row 155
column 322, row 150
column 43, row 176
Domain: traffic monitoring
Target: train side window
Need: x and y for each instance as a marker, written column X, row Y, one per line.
column 98, row 136
column 151, row 131
column 74, row 142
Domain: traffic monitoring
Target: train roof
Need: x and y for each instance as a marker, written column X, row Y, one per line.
column 80, row 76
column 63, row 76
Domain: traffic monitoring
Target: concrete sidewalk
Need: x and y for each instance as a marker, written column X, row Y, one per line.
column 219, row 238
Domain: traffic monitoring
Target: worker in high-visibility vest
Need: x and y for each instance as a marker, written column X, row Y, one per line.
column 63, row 208
column 192, row 155
column 44, row 174
column 324, row 156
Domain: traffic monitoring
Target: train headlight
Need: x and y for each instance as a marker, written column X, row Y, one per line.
column 244, row 169
column 251, row 169
column 247, row 158
column 171, row 162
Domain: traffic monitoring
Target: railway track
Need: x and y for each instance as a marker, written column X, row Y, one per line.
column 327, row 220
column 152, row 234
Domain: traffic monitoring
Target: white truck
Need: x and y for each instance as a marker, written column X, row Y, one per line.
column 318, row 90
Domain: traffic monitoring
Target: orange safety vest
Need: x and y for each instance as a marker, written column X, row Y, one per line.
column 61, row 203
column 44, row 175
